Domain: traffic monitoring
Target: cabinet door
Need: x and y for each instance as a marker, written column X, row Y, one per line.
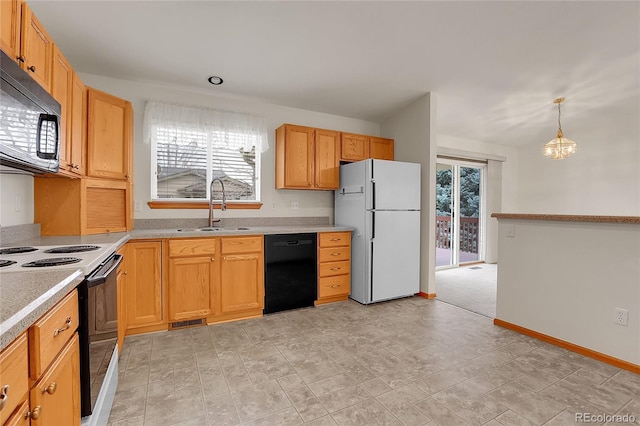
column 14, row 375
column 242, row 282
column 10, row 14
column 294, row 157
column 327, row 159
column 56, row 396
column 123, row 272
column 21, row 417
column 191, row 287
column 61, row 90
column 381, row 148
column 77, row 139
column 109, row 135
column 36, row 48
column 143, row 295
column 354, row 147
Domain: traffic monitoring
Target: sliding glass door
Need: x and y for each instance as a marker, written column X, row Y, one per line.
column 459, row 212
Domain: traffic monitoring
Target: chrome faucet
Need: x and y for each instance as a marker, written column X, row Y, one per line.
column 223, row 206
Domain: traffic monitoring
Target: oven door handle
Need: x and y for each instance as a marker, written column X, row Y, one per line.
column 99, row 277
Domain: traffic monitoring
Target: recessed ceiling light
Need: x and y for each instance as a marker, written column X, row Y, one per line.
column 215, row 80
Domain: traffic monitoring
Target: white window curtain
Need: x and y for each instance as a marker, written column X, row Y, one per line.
column 225, row 129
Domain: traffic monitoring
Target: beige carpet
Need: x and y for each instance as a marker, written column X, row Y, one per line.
column 470, row 287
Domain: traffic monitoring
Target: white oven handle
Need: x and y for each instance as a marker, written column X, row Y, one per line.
column 100, row 274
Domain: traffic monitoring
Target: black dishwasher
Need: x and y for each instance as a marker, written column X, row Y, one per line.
column 290, row 277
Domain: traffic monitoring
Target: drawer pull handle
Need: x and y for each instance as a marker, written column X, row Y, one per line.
column 335, row 269
column 4, row 396
column 32, row 68
column 334, row 286
column 335, row 253
column 51, row 389
column 67, row 325
column 35, row 414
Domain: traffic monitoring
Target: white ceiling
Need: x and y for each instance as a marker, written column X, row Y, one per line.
column 495, row 66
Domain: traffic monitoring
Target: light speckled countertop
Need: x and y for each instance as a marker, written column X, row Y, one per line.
column 569, row 218
column 25, row 296
column 243, row 230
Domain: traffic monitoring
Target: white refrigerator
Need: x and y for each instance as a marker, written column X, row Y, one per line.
column 381, row 200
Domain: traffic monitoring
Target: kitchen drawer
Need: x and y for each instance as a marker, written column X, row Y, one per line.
column 51, row 332
column 334, row 286
column 334, row 254
column 333, row 239
column 20, row 418
column 14, row 374
column 232, row 245
column 329, row 269
column 192, row 247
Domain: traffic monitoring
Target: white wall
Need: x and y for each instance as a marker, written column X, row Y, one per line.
column 602, row 178
column 13, row 212
column 412, row 128
column 564, row 279
column 276, row 203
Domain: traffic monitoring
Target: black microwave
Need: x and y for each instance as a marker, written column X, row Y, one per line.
column 29, row 122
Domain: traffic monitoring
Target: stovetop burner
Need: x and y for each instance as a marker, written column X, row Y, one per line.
column 72, row 249
column 7, row 263
column 17, row 250
column 55, row 261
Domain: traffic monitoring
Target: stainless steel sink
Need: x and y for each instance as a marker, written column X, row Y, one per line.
column 213, row 229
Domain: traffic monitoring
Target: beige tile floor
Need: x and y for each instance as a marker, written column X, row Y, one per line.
column 406, row 362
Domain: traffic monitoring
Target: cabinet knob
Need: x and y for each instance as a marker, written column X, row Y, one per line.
column 4, row 396
column 51, row 389
column 20, row 58
column 32, row 68
column 34, row 414
column 67, row 325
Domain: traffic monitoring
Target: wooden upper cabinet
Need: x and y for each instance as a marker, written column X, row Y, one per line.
column 327, row 159
column 354, row 147
column 78, row 134
column 381, row 148
column 36, row 48
column 61, row 90
column 109, row 136
column 10, row 21
column 294, row 157
column 307, row 158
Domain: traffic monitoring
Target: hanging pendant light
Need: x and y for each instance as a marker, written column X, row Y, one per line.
column 560, row 147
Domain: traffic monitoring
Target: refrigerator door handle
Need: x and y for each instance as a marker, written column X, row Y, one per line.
column 373, row 194
column 373, row 226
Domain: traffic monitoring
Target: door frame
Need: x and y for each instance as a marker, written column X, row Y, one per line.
column 456, row 164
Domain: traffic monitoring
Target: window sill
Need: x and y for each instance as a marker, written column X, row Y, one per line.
column 231, row 205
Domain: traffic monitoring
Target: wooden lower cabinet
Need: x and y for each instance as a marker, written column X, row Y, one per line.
column 55, row 398
column 121, row 285
column 144, row 292
column 21, row 417
column 334, row 266
column 14, row 376
column 52, row 396
column 242, row 275
column 193, row 278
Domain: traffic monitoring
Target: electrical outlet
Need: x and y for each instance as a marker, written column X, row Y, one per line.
column 510, row 230
column 621, row 317
column 295, row 205
column 274, row 205
column 137, row 206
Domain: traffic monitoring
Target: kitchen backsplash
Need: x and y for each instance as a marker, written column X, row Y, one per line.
column 230, row 222
column 11, row 234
